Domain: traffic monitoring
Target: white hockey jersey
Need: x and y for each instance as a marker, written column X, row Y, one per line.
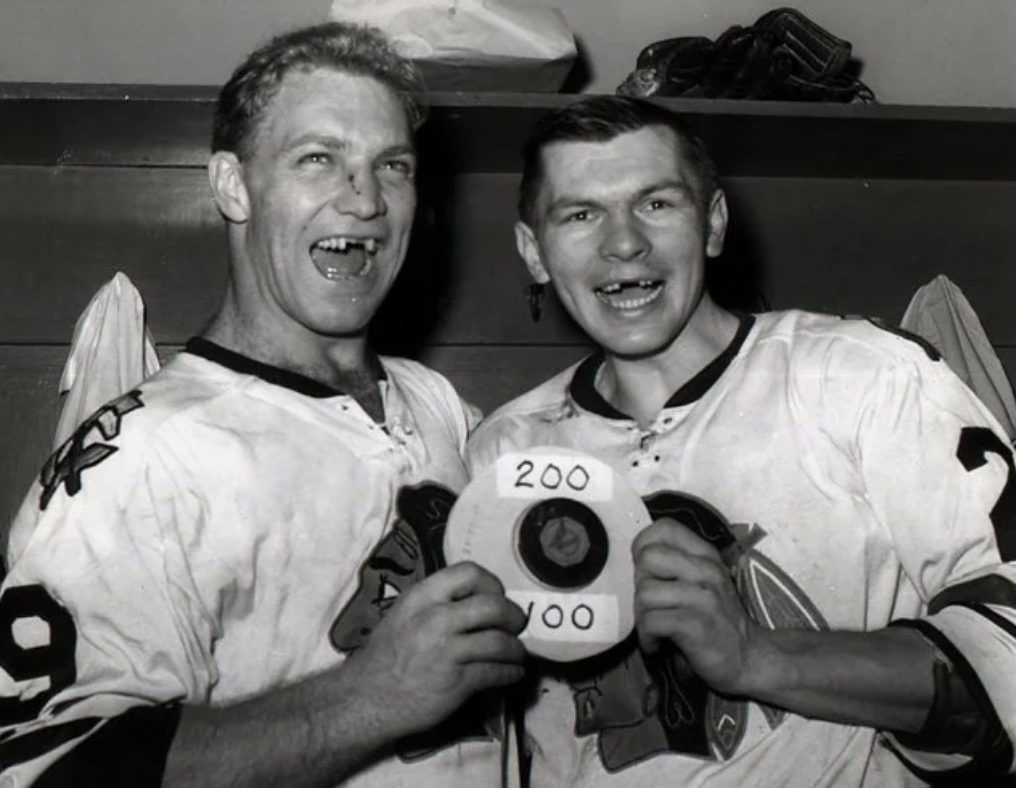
column 869, row 485
column 207, row 537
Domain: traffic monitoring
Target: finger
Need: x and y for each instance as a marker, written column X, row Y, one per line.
column 650, row 644
column 663, row 562
column 658, row 627
column 458, row 581
column 669, row 532
column 480, row 676
column 656, row 532
column 487, row 611
column 675, row 557
column 654, row 595
column 666, row 564
column 680, row 626
column 489, row 645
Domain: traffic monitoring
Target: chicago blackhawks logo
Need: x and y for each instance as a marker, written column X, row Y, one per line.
column 411, row 550
column 643, row 705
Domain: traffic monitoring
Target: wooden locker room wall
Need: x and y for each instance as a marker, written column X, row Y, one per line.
column 841, row 208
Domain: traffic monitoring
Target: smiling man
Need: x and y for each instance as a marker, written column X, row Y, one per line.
column 319, row 205
column 228, row 576
column 821, row 598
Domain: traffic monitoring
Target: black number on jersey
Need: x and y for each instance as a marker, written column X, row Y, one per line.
column 976, row 443
column 53, row 660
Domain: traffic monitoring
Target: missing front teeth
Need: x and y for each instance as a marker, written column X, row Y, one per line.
column 617, row 287
column 343, row 245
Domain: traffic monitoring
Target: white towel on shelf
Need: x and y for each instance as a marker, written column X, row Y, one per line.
column 941, row 314
column 465, row 29
column 111, row 351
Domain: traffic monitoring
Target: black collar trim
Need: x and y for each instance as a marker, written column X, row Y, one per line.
column 206, row 349
column 583, row 384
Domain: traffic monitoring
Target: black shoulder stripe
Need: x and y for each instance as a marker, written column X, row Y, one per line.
column 129, row 750
column 19, row 749
column 929, row 349
column 990, row 589
column 999, row 621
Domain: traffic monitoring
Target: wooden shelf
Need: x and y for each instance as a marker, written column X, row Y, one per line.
column 169, row 126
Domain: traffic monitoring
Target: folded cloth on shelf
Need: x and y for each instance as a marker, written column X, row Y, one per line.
column 941, row 314
column 111, row 351
column 473, row 44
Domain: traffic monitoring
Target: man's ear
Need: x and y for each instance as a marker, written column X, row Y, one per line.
column 529, row 250
column 716, row 224
column 229, row 190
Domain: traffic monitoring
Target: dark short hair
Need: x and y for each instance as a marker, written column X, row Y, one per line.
column 601, row 119
column 349, row 48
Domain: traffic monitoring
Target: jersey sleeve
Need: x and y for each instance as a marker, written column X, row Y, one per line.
column 101, row 634
column 939, row 472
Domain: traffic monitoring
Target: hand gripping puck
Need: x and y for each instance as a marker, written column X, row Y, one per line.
column 556, row 526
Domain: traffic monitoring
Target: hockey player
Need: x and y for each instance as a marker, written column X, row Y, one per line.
column 821, row 599
column 228, row 576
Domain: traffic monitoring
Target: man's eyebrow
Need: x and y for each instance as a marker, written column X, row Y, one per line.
column 326, row 140
column 671, row 184
column 400, row 149
column 571, row 202
column 567, row 202
column 338, row 144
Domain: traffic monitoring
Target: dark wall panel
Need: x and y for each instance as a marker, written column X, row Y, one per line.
column 866, row 246
column 29, row 402
column 66, row 231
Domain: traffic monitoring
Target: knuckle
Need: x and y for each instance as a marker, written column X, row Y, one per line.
column 488, row 606
column 468, row 567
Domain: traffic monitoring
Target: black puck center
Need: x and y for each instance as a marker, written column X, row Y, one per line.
column 563, row 543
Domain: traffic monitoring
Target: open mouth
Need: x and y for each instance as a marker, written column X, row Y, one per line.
column 344, row 256
column 630, row 294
